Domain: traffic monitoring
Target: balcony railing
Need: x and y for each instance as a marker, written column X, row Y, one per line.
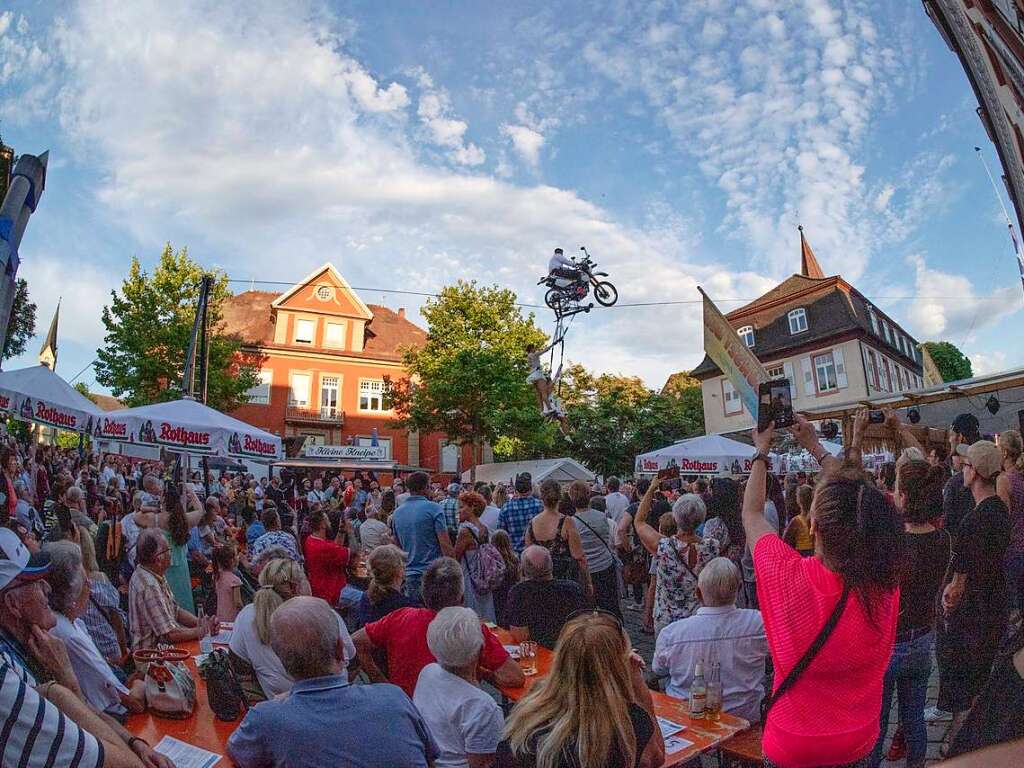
column 322, row 415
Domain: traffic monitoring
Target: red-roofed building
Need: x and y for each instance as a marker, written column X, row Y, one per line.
column 327, row 357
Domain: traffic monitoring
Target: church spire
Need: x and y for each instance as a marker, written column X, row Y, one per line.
column 809, row 266
column 48, row 354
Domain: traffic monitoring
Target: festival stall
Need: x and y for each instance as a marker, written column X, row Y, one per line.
column 563, row 470
column 188, row 426
column 39, row 395
column 707, row 455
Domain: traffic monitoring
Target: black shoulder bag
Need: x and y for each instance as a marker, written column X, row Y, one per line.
column 805, row 661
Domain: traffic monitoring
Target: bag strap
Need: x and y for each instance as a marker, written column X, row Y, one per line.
column 805, row 661
column 600, row 538
column 682, row 560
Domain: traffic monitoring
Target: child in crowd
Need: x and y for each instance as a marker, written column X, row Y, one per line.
column 226, row 582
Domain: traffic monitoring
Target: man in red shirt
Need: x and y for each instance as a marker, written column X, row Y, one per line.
column 402, row 635
column 326, row 560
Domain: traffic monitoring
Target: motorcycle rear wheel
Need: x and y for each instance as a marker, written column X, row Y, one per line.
column 605, row 293
column 553, row 298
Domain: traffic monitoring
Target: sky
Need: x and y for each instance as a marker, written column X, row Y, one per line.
column 413, row 144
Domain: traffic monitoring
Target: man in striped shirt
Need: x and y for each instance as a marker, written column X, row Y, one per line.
column 518, row 511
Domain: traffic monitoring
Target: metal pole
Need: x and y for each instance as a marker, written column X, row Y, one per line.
column 26, row 187
column 1006, row 215
column 204, row 349
column 188, row 375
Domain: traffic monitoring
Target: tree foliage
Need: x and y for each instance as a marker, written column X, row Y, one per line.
column 615, row 418
column 22, row 325
column 469, row 379
column 148, row 326
column 953, row 364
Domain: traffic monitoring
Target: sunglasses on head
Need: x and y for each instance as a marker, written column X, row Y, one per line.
column 594, row 612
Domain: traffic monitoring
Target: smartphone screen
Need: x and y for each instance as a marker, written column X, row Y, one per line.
column 775, row 403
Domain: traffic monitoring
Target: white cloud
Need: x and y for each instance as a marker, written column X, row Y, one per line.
column 526, row 141
column 988, row 362
column 434, row 110
column 275, row 149
column 950, row 308
column 778, row 127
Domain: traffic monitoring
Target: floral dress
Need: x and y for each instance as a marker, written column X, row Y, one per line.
column 677, row 565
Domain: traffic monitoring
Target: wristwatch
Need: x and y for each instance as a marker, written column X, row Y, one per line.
column 762, row 456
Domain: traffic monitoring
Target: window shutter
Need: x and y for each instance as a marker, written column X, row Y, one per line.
column 788, row 368
column 808, row 376
column 837, row 355
column 867, row 366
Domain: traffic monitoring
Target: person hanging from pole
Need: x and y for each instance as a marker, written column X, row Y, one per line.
column 538, row 377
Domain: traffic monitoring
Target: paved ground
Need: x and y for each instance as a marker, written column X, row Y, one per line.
column 644, row 645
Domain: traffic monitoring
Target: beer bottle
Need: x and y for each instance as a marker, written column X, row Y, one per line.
column 698, row 691
column 713, row 707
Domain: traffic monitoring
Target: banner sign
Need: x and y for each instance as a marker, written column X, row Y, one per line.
column 698, row 466
column 175, row 436
column 353, row 452
column 727, row 350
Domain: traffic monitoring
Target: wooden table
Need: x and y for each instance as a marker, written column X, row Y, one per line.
column 705, row 734
column 201, row 728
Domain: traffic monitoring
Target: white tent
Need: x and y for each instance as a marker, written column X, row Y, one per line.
column 563, row 470
column 39, row 395
column 704, row 455
column 191, row 427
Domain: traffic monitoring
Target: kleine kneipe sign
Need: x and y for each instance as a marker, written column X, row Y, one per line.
column 356, row 452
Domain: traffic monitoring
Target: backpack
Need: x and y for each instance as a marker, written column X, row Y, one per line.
column 487, row 570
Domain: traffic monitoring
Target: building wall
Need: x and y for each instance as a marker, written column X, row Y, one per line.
column 273, row 415
column 808, row 390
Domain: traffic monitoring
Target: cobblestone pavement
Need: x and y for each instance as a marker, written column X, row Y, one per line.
column 644, row 644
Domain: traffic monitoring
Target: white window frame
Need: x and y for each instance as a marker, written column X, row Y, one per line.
column 370, row 393
column 796, row 318
column 885, row 329
column 447, row 465
column 821, row 372
column 745, row 332
column 874, row 321
column 312, row 333
column 340, row 344
column 292, row 401
column 731, row 401
column 325, row 410
column 260, row 394
column 776, row 371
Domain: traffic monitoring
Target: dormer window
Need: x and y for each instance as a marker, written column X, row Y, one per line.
column 747, row 334
column 798, row 321
column 888, row 336
column 874, row 321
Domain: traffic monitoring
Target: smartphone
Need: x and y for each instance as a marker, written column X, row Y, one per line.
column 876, row 417
column 668, row 473
column 775, row 403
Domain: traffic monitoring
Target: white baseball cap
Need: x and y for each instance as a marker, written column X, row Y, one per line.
column 16, row 562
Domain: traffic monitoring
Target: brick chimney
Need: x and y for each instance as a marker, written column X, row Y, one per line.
column 401, row 312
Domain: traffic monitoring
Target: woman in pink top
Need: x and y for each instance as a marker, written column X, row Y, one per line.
column 824, row 709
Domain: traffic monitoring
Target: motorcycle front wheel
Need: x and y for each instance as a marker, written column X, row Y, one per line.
column 605, row 293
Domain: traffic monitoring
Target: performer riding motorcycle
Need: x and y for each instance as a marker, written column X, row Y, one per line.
column 562, row 267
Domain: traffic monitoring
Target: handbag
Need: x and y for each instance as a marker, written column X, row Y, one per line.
column 169, row 686
column 805, row 661
column 223, row 690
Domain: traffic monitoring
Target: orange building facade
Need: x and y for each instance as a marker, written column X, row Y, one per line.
column 327, row 357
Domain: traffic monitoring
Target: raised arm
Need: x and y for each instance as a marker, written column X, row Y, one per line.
column 906, row 437
column 754, row 523
column 806, row 435
column 648, row 536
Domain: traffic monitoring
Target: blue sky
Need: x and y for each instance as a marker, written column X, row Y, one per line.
column 415, row 143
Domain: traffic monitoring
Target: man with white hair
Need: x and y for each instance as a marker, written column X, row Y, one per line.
column 324, row 720
column 539, row 605
column 25, row 510
column 718, row 631
column 466, row 723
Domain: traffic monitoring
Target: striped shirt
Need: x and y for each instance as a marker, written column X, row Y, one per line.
column 34, row 733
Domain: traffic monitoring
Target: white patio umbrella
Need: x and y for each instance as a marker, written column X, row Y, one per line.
column 39, row 395
column 704, row 455
column 191, row 427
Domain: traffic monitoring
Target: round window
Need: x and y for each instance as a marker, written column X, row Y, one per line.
column 325, row 292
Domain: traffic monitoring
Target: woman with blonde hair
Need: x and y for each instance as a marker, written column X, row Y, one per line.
column 280, row 580
column 386, row 565
column 103, row 617
column 574, row 717
column 1010, row 488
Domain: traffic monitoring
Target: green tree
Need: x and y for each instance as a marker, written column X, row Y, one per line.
column 953, row 364
column 469, row 379
column 148, row 326
column 615, row 418
column 22, row 325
